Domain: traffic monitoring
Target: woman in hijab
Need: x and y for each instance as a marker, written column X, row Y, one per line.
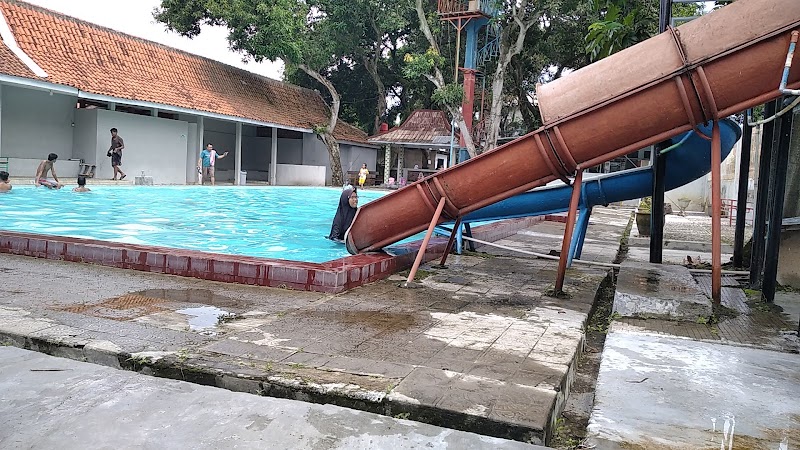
column 348, row 204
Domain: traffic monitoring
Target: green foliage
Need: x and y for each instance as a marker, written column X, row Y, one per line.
column 646, row 205
column 622, row 24
column 450, row 95
column 418, row 65
column 262, row 30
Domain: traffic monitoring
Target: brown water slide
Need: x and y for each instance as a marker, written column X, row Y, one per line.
column 720, row 64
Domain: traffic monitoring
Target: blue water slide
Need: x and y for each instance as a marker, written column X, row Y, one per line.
column 688, row 160
column 686, row 163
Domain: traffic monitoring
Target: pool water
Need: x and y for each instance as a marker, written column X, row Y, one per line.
column 268, row 222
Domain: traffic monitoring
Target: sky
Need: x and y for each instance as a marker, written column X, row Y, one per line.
column 135, row 17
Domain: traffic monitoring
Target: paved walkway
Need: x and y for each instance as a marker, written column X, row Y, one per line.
column 478, row 347
column 662, row 392
column 49, row 402
column 726, row 381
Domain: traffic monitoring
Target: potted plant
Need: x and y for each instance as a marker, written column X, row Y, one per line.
column 643, row 216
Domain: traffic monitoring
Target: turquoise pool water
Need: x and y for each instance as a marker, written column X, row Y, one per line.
column 268, row 222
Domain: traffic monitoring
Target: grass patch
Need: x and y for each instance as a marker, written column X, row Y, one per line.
column 421, row 274
column 622, row 252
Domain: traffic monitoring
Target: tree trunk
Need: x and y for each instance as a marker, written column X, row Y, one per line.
column 326, row 133
column 438, row 80
column 510, row 46
column 371, row 64
column 337, row 175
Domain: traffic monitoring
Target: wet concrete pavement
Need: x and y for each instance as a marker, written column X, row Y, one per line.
column 722, row 381
column 661, row 392
column 477, row 347
column 49, row 402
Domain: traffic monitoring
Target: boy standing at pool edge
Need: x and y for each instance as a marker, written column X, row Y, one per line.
column 207, row 162
column 115, row 152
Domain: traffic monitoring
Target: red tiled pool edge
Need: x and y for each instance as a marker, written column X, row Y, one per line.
column 331, row 276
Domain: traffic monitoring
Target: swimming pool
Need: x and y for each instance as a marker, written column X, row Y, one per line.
column 268, row 222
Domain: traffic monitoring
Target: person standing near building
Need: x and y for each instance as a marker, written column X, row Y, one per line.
column 207, row 161
column 363, row 173
column 115, row 152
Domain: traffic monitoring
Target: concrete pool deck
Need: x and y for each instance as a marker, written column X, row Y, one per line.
column 477, row 347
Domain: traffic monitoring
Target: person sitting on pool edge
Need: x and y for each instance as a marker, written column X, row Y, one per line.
column 81, row 185
column 5, row 185
column 48, row 165
column 348, row 205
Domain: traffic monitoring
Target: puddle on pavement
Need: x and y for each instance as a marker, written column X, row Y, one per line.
column 204, row 319
column 655, row 281
column 202, row 296
column 649, row 282
column 385, row 322
column 150, row 301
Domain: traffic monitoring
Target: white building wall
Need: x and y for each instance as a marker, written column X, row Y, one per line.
column 153, row 145
column 290, row 151
column 353, row 156
column 84, row 137
column 192, row 154
column 36, row 123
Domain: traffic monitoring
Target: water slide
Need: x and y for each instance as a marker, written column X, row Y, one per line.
column 688, row 161
column 707, row 69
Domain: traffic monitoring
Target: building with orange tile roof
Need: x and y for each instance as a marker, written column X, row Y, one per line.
column 423, row 144
column 65, row 82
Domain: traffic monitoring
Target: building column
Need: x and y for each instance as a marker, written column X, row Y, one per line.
column 112, row 106
column 237, row 165
column 154, row 112
column 401, row 153
column 1, row 119
column 200, row 139
column 273, row 162
column 387, row 161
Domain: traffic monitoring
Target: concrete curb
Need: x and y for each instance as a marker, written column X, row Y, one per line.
column 232, row 374
column 689, row 246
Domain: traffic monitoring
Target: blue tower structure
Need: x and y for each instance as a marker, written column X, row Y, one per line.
column 471, row 17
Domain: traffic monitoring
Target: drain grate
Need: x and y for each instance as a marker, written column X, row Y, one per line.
column 124, row 307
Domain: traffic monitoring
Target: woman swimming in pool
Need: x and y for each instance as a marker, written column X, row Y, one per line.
column 348, row 205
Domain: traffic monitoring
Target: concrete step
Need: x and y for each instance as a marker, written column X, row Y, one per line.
column 82, row 405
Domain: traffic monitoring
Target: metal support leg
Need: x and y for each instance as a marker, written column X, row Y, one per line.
column 468, row 230
column 425, row 241
column 741, row 198
column 761, row 213
column 778, row 188
column 580, row 234
column 565, row 243
column 451, row 241
column 657, row 208
column 716, row 206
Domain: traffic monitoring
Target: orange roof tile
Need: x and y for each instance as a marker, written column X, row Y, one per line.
column 422, row 127
column 102, row 61
column 11, row 65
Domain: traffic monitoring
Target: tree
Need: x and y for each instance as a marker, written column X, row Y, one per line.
column 297, row 32
column 516, row 18
column 428, row 65
column 622, row 24
column 552, row 49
